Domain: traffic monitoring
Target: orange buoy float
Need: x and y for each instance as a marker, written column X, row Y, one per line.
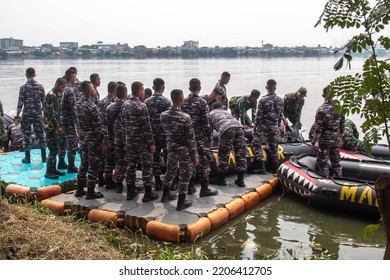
column 57, row 207
column 251, row 199
column 264, row 191
column 274, row 182
column 235, row 207
column 48, row 191
column 106, row 218
column 218, row 217
column 197, row 228
column 163, row 231
column 18, row 193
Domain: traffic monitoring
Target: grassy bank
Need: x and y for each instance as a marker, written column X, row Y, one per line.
column 30, row 232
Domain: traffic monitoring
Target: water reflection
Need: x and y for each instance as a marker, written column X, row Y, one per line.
column 286, row 227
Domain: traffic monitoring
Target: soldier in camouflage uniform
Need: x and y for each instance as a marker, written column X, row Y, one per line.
column 31, row 98
column 69, row 98
column 242, row 105
column 351, row 137
column 51, row 123
column 329, row 129
column 268, row 119
column 182, row 152
column 139, row 143
column 231, row 134
column 14, row 136
column 157, row 104
column 220, row 88
column 95, row 80
column 91, row 142
column 198, row 110
column 116, row 134
column 107, row 162
column 293, row 103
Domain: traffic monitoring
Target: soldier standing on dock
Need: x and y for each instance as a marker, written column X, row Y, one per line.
column 115, row 131
column 182, row 152
column 220, row 88
column 198, row 110
column 31, row 98
column 139, row 143
column 51, row 123
column 91, row 142
column 157, row 104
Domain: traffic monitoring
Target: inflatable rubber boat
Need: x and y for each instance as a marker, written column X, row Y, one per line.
column 354, row 192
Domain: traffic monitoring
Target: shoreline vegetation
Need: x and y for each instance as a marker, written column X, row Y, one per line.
column 123, row 51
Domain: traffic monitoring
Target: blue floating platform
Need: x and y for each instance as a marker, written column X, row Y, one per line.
column 13, row 171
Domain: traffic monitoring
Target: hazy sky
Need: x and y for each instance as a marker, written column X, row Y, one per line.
column 168, row 22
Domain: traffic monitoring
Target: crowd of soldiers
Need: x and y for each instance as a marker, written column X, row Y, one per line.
column 124, row 132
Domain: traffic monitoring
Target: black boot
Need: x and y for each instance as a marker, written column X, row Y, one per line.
column 259, row 168
column 119, row 187
column 219, row 180
column 240, row 180
column 49, row 172
column 55, row 171
column 110, row 185
column 43, row 155
column 182, row 203
column 62, row 164
column 27, row 158
column 91, row 194
column 191, row 186
column 81, row 184
column 205, row 191
column 149, row 194
column 131, row 192
column 158, row 186
column 71, row 167
column 167, row 195
column 101, row 180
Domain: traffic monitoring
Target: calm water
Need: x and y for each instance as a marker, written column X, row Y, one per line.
column 281, row 227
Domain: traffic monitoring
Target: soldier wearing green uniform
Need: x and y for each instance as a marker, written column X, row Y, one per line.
column 241, row 106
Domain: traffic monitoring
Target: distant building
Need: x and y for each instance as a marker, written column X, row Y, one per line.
column 69, row 45
column 191, row 45
column 10, row 43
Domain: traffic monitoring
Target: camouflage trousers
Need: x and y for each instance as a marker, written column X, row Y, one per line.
column 70, row 138
column 109, row 159
column 326, row 154
column 36, row 122
column 353, row 144
column 232, row 137
column 52, row 139
column 204, row 161
column 62, row 146
column 270, row 137
column 90, row 156
column 178, row 158
column 138, row 154
column 119, row 156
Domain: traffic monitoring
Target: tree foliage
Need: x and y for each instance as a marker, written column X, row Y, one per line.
column 366, row 93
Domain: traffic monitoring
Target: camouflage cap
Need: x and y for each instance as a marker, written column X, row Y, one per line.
column 302, row 91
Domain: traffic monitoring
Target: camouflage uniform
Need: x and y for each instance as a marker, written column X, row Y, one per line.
column 181, row 147
column 268, row 119
column 51, row 123
column 3, row 133
column 15, row 136
column 351, row 137
column 293, row 109
column 69, row 99
column 107, row 162
column 139, row 139
column 31, row 98
column 91, row 137
column 231, row 134
column 330, row 128
column 221, row 90
column 198, row 110
column 115, row 134
column 209, row 102
column 96, row 98
column 240, row 108
column 157, row 104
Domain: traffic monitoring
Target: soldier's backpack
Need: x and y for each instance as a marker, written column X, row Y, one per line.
column 232, row 101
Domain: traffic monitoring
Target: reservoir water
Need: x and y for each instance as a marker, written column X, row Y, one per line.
column 282, row 227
